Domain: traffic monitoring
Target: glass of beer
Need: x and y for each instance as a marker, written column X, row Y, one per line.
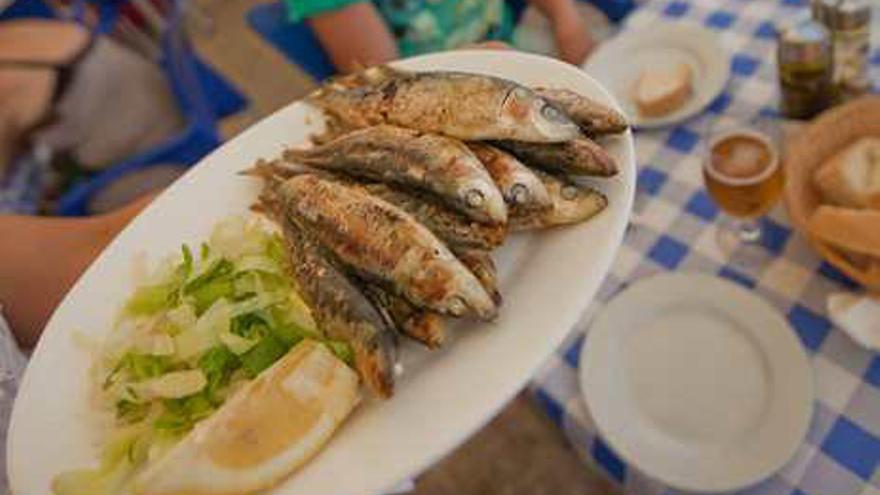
column 743, row 175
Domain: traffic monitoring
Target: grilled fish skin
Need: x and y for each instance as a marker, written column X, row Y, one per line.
column 481, row 264
column 436, row 164
column 572, row 203
column 451, row 227
column 579, row 156
column 426, row 327
column 593, row 117
column 463, row 105
column 383, row 243
column 339, row 307
column 333, row 128
column 517, row 183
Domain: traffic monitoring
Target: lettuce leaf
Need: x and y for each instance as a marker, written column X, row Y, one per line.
column 218, row 364
column 140, row 367
column 215, row 282
column 263, row 355
column 151, row 299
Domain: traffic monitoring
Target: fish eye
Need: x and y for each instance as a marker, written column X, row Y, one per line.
column 519, row 194
column 474, row 198
column 552, row 113
column 569, row 192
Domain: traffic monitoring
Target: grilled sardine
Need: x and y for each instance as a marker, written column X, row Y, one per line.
column 517, row 183
column 383, row 243
column 593, row 117
column 572, row 203
column 419, row 324
column 462, row 105
column 429, row 162
column 579, row 156
column 481, row 264
column 338, row 306
column 453, row 228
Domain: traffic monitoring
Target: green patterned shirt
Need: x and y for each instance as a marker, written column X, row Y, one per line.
column 422, row 26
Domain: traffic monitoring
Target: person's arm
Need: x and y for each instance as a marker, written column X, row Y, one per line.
column 41, row 258
column 353, row 36
column 573, row 39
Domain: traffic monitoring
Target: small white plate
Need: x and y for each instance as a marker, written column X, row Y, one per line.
column 618, row 63
column 697, row 382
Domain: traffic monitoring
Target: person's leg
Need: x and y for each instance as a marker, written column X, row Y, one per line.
column 41, row 258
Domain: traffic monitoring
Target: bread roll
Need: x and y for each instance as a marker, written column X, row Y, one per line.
column 848, row 229
column 852, row 176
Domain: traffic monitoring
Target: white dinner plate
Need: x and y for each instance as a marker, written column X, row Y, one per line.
column 618, row 63
column 443, row 396
column 697, row 382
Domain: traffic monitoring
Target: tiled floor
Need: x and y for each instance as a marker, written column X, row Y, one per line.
column 520, row 451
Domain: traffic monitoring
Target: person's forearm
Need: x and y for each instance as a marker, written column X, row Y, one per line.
column 354, row 36
column 573, row 40
column 41, row 258
column 557, row 11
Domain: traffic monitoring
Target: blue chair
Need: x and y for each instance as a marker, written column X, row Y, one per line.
column 293, row 39
column 202, row 95
column 200, row 136
column 298, row 43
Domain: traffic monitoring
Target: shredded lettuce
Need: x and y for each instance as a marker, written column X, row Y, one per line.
column 218, row 365
column 268, row 350
column 199, row 328
column 143, row 366
column 151, row 299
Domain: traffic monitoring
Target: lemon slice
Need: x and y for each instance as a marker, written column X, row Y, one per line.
column 265, row 431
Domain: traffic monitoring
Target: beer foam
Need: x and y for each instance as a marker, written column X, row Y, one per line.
column 740, row 156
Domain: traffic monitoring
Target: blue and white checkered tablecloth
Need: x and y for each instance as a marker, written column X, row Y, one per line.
column 674, row 227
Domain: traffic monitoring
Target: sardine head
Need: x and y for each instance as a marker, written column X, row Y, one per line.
column 484, row 199
column 532, row 118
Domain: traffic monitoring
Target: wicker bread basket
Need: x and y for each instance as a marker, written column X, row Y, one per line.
column 813, row 146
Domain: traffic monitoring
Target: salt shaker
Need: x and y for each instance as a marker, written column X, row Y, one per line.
column 849, row 22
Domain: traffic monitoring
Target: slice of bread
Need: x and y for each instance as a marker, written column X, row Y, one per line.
column 658, row 92
column 852, row 176
column 848, row 229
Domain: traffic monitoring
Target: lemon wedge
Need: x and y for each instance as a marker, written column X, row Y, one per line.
column 264, row 431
